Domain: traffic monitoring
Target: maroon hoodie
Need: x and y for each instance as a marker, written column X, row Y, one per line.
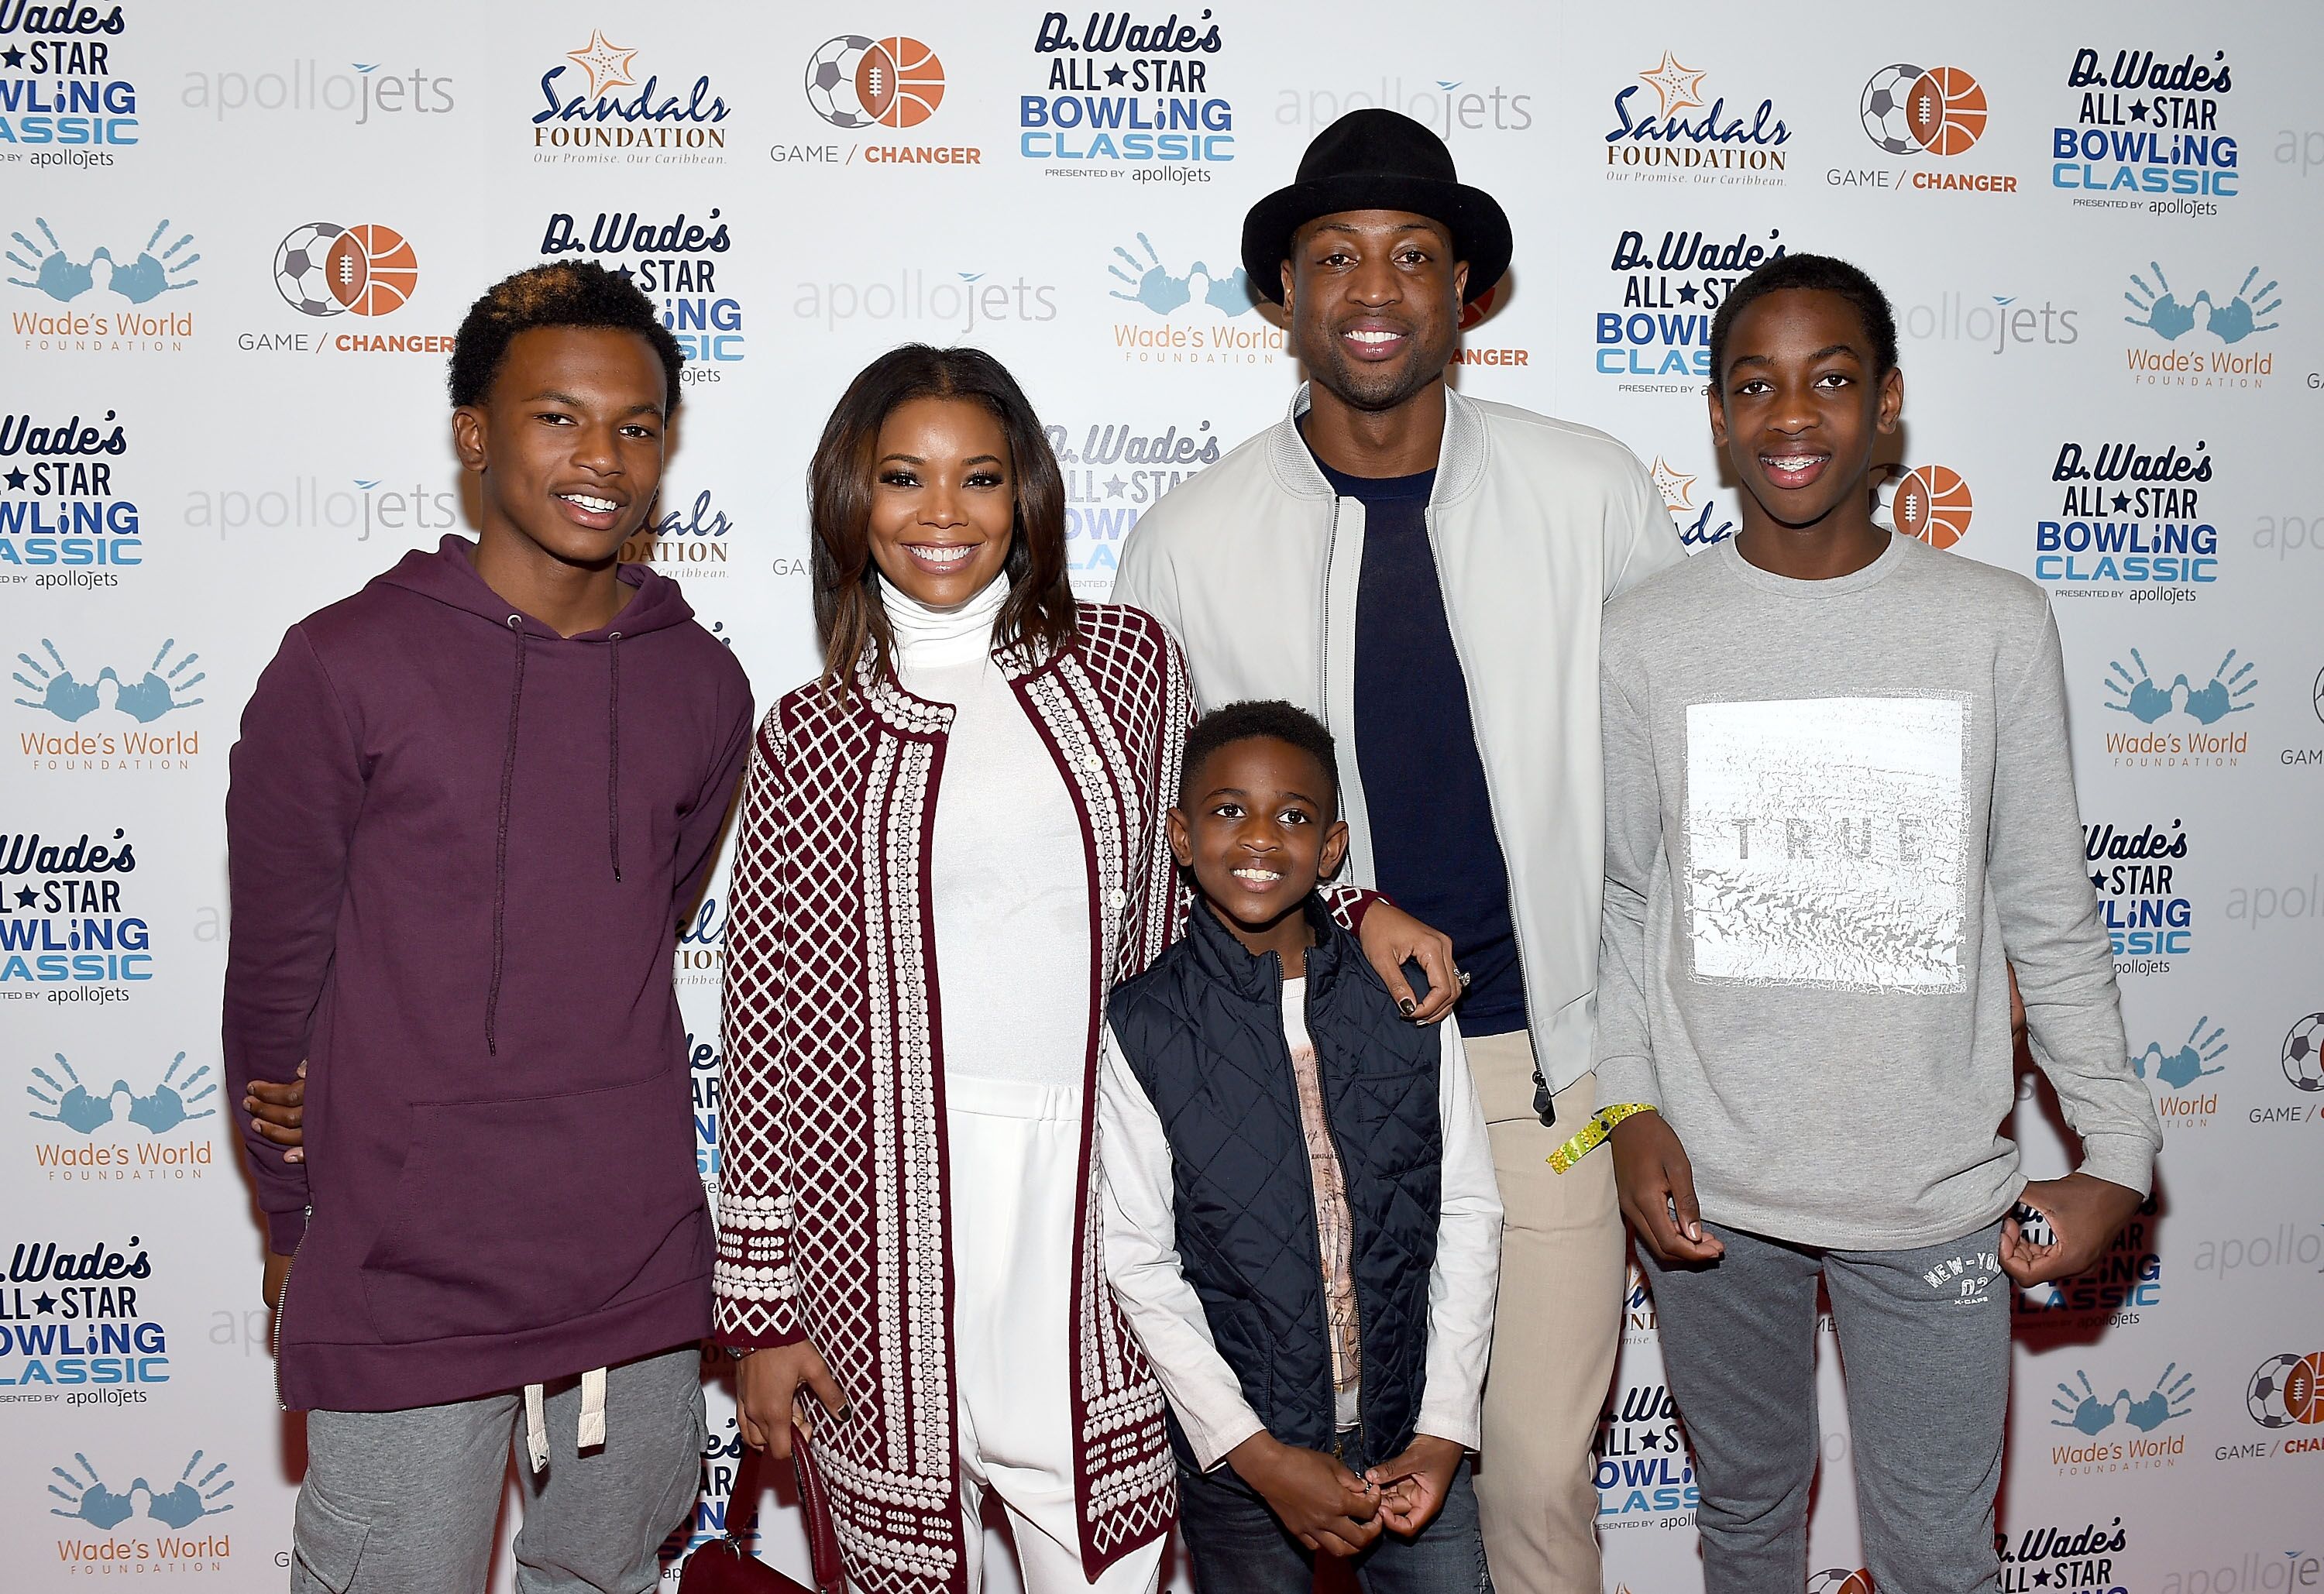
column 458, row 844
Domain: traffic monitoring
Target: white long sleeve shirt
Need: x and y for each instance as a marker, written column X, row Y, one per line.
column 1142, row 1260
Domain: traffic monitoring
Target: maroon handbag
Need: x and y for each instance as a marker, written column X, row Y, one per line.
column 726, row 1565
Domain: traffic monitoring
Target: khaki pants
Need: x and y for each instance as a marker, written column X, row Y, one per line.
column 1555, row 1331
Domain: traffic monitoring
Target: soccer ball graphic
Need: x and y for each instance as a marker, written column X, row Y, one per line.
column 830, row 81
column 2283, row 1391
column 2303, row 1054
column 302, row 269
column 1888, row 109
column 1838, row 1580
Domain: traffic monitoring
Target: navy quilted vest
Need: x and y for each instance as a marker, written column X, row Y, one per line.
column 1203, row 1031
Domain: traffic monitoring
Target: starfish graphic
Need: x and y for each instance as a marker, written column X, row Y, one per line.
column 607, row 64
column 1678, row 86
column 1676, row 486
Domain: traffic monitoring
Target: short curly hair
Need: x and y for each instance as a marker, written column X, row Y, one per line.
column 1249, row 720
column 1820, row 273
column 561, row 293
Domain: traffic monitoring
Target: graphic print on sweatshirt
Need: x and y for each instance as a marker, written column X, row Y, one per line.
column 1826, row 842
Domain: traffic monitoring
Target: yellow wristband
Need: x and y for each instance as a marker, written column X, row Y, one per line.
column 1593, row 1133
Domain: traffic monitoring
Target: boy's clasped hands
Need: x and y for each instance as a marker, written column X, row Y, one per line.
column 1332, row 1510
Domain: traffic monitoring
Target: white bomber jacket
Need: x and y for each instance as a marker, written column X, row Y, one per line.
column 1535, row 524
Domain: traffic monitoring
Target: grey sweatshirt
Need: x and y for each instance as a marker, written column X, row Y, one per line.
column 1833, row 809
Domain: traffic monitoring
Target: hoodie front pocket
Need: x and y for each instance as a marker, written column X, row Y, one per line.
column 521, row 1214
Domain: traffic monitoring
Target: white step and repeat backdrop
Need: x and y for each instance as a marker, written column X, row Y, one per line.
column 2100, row 225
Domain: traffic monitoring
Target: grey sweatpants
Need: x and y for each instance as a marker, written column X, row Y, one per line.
column 406, row 1502
column 1924, row 1347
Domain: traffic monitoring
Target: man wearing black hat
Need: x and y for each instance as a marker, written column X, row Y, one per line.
column 1426, row 572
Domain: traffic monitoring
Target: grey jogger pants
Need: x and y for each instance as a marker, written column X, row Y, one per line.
column 405, row 1502
column 1924, row 1348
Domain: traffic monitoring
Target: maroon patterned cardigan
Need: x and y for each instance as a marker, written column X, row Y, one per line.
column 832, row 1212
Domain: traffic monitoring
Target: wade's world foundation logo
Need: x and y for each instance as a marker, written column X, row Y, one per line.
column 100, row 298
column 601, row 107
column 1184, row 311
column 1699, row 524
column 79, row 1326
column 1655, row 337
column 2184, row 726
column 2146, row 134
column 64, row 101
column 1911, row 112
column 2177, row 1074
column 1115, row 470
column 144, row 1526
column 2214, row 340
column 64, row 523
column 109, row 721
column 2129, row 522
column 119, row 1133
column 1121, row 92
column 2124, row 1432
column 1690, row 133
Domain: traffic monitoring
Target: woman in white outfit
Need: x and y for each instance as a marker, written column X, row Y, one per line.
column 975, row 785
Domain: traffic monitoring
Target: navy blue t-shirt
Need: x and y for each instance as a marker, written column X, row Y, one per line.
column 1433, row 849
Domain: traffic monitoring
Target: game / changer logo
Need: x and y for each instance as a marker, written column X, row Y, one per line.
column 1929, row 501
column 1910, row 110
column 2286, row 1391
column 323, row 269
column 855, row 82
column 2303, row 1054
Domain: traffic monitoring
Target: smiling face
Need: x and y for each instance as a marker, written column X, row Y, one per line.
column 567, row 443
column 1256, row 826
column 943, row 500
column 1799, row 407
column 1374, row 299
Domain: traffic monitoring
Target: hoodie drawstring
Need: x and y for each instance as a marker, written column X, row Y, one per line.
column 614, row 756
column 499, row 844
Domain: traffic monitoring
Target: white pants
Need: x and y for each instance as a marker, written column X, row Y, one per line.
column 1014, row 1164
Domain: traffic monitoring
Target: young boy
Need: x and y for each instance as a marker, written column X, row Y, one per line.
column 1301, row 1222
column 467, row 807
column 1837, row 797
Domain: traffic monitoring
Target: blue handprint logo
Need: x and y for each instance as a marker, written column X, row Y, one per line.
column 53, row 271
column 1162, row 290
column 171, row 1102
column 61, row 693
column 2156, row 307
column 2183, row 1067
column 2134, row 693
column 191, row 1498
column 88, row 1498
column 2171, row 1398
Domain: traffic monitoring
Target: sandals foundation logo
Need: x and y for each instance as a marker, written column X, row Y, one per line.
column 1737, row 147
column 600, row 108
column 77, row 1326
column 1114, row 471
column 1909, row 111
column 2208, row 336
column 118, row 1134
column 166, row 1530
column 1699, row 526
column 1120, row 92
column 2129, row 523
column 869, row 85
column 124, row 318
column 2186, row 724
column 2143, row 896
column 63, row 523
column 2062, row 1560
column 690, row 540
column 1187, row 314
column 67, row 931
column 2145, row 133
column 1657, row 338
column 323, row 270
column 111, row 723
column 2124, row 1434
column 675, row 264
column 63, row 102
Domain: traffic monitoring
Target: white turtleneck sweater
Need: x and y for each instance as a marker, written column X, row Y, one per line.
column 1011, row 879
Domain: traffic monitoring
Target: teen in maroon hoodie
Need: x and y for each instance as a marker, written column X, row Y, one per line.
column 468, row 806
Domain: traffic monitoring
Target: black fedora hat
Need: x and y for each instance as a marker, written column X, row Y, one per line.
column 1377, row 160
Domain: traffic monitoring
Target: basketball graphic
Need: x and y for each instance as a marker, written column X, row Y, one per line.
column 371, row 269
column 1932, row 503
column 1908, row 109
column 1479, row 307
column 852, row 81
column 300, row 271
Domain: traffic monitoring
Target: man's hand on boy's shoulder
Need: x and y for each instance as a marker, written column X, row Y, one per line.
column 278, row 1113
column 2084, row 1213
column 1319, row 1502
column 1413, row 1486
column 1656, row 1185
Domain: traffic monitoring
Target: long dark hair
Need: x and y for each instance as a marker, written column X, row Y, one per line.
column 848, row 614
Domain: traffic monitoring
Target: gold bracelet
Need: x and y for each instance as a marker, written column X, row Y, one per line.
column 1593, row 1133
